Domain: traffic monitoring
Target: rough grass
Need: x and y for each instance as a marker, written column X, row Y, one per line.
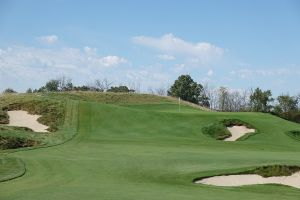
column 125, row 98
column 16, row 142
column 274, row 170
column 217, row 131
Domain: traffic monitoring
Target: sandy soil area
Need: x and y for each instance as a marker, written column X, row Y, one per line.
column 252, row 179
column 23, row 119
column 237, row 132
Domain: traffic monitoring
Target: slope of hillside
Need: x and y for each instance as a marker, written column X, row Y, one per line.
column 146, row 149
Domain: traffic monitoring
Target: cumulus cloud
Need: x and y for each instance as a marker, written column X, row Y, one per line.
column 201, row 52
column 112, row 60
column 21, row 64
column 166, row 57
column 48, row 39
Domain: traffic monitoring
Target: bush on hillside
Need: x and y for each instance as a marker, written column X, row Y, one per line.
column 121, row 88
column 9, row 91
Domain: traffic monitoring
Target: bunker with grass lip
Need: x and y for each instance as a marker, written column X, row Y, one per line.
column 252, row 179
column 237, row 132
column 21, row 118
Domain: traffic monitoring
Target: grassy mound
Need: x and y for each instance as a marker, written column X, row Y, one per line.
column 274, row 170
column 16, row 137
column 16, row 142
column 295, row 134
column 219, row 131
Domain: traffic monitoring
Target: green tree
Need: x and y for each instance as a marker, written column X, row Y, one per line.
column 286, row 103
column 260, row 100
column 29, row 90
column 52, row 85
column 189, row 90
column 9, row 91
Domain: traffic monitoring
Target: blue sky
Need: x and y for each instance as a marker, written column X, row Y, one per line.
column 238, row 44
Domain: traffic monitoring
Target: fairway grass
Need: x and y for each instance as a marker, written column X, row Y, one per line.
column 141, row 150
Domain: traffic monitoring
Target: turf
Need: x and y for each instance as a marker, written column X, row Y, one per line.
column 143, row 150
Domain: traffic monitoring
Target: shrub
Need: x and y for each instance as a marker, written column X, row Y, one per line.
column 121, row 88
column 9, row 91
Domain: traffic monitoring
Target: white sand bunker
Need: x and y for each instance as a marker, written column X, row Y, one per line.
column 252, row 179
column 237, row 132
column 23, row 119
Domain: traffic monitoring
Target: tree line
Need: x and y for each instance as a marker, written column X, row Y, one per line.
column 185, row 88
column 228, row 100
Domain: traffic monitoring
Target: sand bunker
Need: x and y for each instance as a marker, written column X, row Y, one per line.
column 23, row 119
column 237, row 132
column 252, row 179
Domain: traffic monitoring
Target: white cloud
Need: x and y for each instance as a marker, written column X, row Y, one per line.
column 210, row 72
column 21, row 65
column 179, row 68
column 201, row 52
column 148, row 77
column 166, row 57
column 242, row 73
column 112, row 61
column 48, row 39
column 250, row 73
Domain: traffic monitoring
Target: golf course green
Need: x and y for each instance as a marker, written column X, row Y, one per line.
column 141, row 147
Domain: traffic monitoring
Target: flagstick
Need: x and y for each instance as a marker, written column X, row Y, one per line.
column 179, row 104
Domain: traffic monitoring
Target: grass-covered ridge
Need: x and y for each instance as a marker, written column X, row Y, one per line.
column 218, row 130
